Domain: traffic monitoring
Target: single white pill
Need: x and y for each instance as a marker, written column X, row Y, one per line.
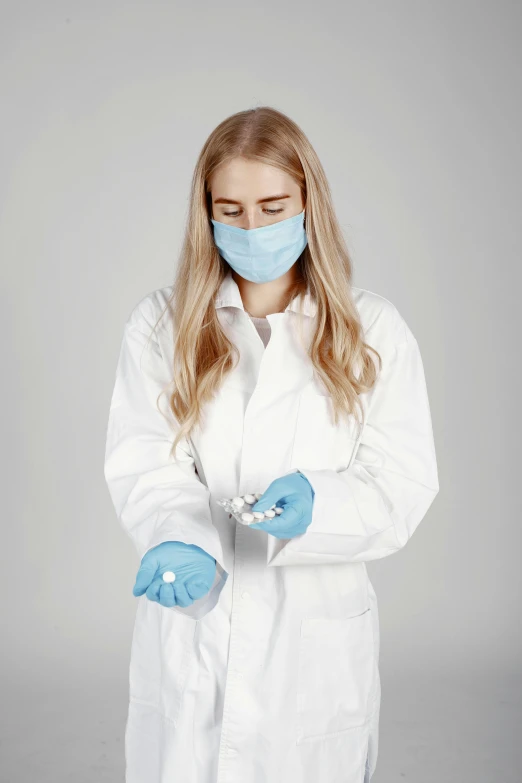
column 270, row 513
column 259, row 514
column 258, row 495
column 278, row 510
column 246, row 517
column 169, row 576
column 238, row 502
column 250, row 498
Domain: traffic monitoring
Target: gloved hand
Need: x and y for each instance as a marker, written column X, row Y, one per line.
column 194, row 569
column 295, row 495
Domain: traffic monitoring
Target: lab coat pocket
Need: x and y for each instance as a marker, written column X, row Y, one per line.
column 335, row 670
column 319, row 444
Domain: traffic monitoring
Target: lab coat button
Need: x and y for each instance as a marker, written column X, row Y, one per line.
column 232, row 752
column 245, row 595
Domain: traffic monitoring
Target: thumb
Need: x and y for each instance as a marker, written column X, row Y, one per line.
column 145, row 575
column 268, row 499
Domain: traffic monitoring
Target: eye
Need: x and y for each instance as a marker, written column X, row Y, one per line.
column 268, row 211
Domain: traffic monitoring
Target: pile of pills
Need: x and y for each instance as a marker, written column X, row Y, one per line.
column 240, row 508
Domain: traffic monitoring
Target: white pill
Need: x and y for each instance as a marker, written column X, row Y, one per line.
column 238, row 502
column 258, row 495
column 270, row 513
column 259, row 514
column 250, row 498
column 169, row 576
column 278, row 510
column 246, row 517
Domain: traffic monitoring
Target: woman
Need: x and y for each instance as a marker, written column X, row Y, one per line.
column 263, row 370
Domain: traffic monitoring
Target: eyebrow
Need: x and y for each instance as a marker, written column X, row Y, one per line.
column 277, row 197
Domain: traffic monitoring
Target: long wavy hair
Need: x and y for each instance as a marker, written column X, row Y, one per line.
column 203, row 354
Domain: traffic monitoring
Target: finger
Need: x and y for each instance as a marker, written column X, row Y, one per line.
column 259, row 525
column 269, row 498
column 180, row 591
column 153, row 590
column 196, row 588
column 268, row 524
column 291, row 516
column 145, row 575
column 166, row 594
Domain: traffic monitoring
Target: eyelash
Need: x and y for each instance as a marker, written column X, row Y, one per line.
column 268, row 211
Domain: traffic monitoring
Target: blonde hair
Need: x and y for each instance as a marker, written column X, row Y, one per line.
column 203, row 355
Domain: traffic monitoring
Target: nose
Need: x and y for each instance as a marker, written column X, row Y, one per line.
column 249, row 222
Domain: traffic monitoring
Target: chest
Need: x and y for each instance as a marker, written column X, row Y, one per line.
column 271, row 415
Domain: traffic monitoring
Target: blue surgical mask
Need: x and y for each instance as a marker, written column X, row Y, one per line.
column 262, row 254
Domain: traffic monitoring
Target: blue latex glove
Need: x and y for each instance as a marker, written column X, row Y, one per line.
column 295, row 495
column 194, row 569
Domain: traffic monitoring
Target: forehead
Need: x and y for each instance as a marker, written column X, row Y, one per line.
column 240, row 177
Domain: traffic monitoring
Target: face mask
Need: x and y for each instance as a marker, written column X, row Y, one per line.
column 262, row 254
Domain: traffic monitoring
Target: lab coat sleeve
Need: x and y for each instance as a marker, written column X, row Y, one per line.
column 372, row 508
column 155, row 498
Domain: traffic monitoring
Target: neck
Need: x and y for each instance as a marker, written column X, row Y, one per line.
column 262, row 299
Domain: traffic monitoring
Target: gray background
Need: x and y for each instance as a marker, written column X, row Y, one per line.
column 414, row 110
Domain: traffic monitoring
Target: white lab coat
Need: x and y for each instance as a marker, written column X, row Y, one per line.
column 273, row 675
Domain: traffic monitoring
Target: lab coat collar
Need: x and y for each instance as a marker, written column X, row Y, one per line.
column 229, row 295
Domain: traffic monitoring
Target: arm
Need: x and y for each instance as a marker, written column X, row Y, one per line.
column 371, row 509
column 155, row 498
